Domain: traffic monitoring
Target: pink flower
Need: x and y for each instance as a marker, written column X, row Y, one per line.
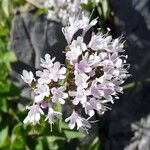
column 44, row 76
column 59, row 95
column 73, row 53
column 96, row 71
column 56, row 72
column 81, row 80
column 48, row 62
column 27, row 76
column 52, row 115
column 34, row 114
column 79, row 96
column 93, row 60
column 71, row 29
column 85, row 23
column 95, row 90
column 99, row 41
column 82, row 67
column 76, row 120
column 41, row 91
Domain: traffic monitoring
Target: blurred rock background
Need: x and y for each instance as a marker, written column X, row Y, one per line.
column 127, row 126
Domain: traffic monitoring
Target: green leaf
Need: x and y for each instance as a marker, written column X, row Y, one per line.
column 47, row 144
column 8, row 57
column 53, row 138
column 95, row 145
column 70, row 134
column 3, row 105
column 3, row 71
column 88, row 6
column 9, row 91
column 4, row 87
column 17, row 143
column 3, row 135
column 18, row 130
column 39, row 146
column 105, row 8
column 5, row 7
column 129, row 85
column 64, row 125
column 58, row 107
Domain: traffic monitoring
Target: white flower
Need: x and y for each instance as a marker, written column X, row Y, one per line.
column 105, row 78
column 75, row 119
column 76, row 49
column 98, row 105
column 116, row 46
column 71, row 29
column 79, row 96
column 56, row 72
column 52, row 115
column 44, row 76
column 48, row 62
column 85, row 23
column 88, row 109
column 95, row 90
column 27, row 76
column 59, row 94
column 82, row 67
column 41, row 91
column 34, row 114
column 79, row 42
column 74, row 52
column 81, row 80
column 93, row 60
column 100, row 41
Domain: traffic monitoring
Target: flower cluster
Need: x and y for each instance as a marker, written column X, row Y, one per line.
column 92, row 78
column 61, row 10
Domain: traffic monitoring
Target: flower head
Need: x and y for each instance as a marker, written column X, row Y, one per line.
column 92, row 78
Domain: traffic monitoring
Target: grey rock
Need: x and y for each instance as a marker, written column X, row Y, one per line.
column 31, row 38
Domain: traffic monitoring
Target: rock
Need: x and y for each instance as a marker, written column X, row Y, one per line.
column 31, row 38
column 132, row 19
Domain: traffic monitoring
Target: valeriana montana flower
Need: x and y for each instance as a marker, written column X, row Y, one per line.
column 76, row 49
column 34, row 114
column 27, row 76
column 74, row 53
column 56, row 72
column 58, row 95
column 76, row 120
column 47, row 62
column 81, row 80
column 63, row 9
column 79, row 96
column 52, row 115
column 44, row 76
column 91, row 79
column 41, row 91
column 71, row 29
column 86, row 24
